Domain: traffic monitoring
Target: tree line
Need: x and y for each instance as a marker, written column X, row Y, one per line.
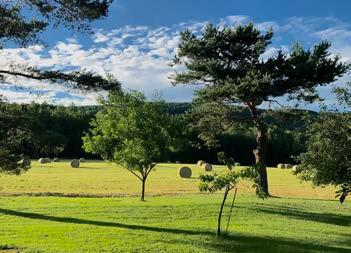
column 59, row 131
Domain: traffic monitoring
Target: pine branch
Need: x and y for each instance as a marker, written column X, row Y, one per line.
column 84, row 80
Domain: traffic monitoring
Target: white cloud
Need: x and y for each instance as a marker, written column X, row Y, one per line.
column 99, row 37
column 234, row 20
column 264, row 26
column 139, row 56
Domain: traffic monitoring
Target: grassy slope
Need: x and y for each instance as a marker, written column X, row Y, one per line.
column 180, row 223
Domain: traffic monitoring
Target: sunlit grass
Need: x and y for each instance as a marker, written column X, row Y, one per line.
column 298, row 218
column 184, row 223
column 99, row 178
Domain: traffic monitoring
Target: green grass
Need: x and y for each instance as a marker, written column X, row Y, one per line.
column 98, row 178
column 181, row 221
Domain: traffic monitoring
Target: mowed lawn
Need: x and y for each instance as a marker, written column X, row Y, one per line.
column 298, row 219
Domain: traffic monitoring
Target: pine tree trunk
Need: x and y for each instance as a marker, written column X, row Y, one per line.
column 260, row 152
column 221, row 211
column 260, row 157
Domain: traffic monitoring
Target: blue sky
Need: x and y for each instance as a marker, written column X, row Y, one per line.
column 137, row 40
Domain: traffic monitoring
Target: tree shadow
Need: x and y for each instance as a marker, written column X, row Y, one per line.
column 327, row 218
column 229, row 243
column 8, row 249
column 101, row 223
column 244, row 243
column 89, row 168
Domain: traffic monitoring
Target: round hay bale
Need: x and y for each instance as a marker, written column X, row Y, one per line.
column 25, row 162
column 185, row 172
column 82, row 160
column 75, row 163
column 237, row 164
column 177, row 162
column 56, row 159
column 42, row 160
column 47, row 160
column 288, row 166
column 281, row 166
column 296, row 168
column 207, row 167
column 200, row 162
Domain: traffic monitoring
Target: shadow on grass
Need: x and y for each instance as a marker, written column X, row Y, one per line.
column 100, row 223
column 246, row 243
column 327, row 218
column 89, row 168
column 8, row 249
column 230, row 243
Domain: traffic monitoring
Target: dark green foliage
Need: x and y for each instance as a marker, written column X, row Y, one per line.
column 13, row 27
column 176, row 108
column 287, row 133
column 21, row 22
column 12, row 132
column 39, row 136
column 220, row 127
column 328, row 157
column 37, row 130
column 17, row 25
column 228, row 61
column 131, row 132
column 84, row 80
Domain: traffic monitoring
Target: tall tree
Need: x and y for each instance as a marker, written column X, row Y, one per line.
column 131, row 132
column 229, row 63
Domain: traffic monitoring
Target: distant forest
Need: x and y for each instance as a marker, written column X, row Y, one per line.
column 60, row 130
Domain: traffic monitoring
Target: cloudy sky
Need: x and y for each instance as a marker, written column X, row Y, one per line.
column 136, row 42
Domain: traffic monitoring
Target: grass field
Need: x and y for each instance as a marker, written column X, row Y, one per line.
column 99, row 178
column 298, row 219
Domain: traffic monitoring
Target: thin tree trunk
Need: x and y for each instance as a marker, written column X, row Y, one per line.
column 143, row 189
column 221, row 211
column 260, row 151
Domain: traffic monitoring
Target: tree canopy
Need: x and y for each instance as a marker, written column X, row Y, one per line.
column 131, row 132
column 328, row 157
column 230, row 64
column 21, row 22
